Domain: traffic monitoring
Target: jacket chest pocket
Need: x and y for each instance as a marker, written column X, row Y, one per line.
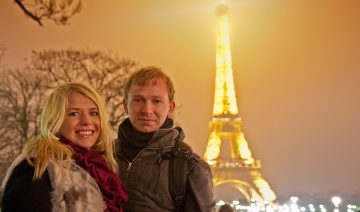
column 150, row 172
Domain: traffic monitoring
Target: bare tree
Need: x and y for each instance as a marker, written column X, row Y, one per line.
column 23, row 91
column 58, row 11
column 103, row 70
column 20, row 106
column 2, row 52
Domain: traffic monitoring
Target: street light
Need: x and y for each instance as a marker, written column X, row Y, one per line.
column 336, row 201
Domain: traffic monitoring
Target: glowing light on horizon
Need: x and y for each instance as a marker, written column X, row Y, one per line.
column 225, row 98
column 291, row 206
column 264, row 189
column 213, row 148
column 226, row 126
column 243, row 148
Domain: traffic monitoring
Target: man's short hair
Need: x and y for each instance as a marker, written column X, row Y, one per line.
column 147, row 75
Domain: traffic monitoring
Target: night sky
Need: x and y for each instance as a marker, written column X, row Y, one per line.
column 296, row 71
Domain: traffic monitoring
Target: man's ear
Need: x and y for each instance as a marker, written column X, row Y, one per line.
column 171, row 108
column 125, row 106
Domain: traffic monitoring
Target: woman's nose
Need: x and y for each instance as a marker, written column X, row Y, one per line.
column 85, row 119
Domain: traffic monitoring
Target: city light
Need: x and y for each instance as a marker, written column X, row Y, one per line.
column 293, row 205
column 336, row 200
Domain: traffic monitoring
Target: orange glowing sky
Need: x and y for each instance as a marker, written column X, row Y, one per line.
column 296, row 70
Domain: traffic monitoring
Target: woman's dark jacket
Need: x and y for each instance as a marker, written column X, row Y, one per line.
column 24, row 194
column 59, row 190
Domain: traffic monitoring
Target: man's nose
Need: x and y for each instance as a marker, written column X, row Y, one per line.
column 147, row 107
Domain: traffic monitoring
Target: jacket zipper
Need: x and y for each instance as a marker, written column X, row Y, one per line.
column 130, row 163
column 128, row 168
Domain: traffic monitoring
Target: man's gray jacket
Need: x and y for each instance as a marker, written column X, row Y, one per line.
column 146, row 178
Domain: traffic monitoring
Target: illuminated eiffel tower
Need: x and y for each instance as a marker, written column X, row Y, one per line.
column 237, row 167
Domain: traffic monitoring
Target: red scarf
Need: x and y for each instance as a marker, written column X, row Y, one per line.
column 111, row 186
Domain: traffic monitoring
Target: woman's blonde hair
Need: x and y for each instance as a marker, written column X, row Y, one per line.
column 47, row 146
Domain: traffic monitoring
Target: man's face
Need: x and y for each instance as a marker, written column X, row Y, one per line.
column 148, row 106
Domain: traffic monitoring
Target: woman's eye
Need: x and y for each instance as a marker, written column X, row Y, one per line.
column 73, row 113
column 94, row 113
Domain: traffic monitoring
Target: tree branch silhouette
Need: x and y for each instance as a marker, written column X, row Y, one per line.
column 59, row 11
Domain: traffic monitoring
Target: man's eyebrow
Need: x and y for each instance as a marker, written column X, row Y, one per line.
column 158, row 97
column 137, row 95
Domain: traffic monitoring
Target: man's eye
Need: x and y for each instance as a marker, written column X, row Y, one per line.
column 157, row 101
column 137, row 100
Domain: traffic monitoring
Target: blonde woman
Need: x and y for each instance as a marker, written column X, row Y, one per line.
column 70, row 165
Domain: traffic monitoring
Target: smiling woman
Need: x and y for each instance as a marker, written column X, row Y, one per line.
column 81, row 123
column 70, row 166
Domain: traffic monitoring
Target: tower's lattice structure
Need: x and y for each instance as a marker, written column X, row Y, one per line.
column 236, row 166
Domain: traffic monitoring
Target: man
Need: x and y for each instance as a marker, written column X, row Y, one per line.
column 146, row 139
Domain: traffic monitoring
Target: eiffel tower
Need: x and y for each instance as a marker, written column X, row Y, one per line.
column 237, row 167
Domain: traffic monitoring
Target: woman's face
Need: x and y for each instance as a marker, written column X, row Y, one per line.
column 82, row 122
